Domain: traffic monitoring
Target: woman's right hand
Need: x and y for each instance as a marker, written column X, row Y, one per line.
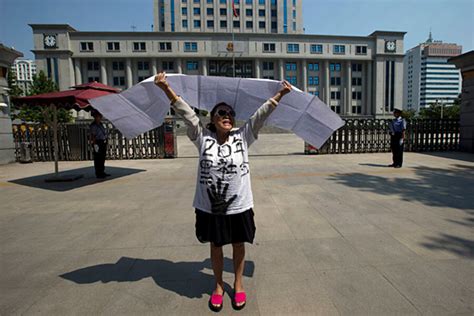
column 160, row 80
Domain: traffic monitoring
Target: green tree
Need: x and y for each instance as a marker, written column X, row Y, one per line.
column 14, row 90
column 39, row 114
column 409, row 114
column 435, row 109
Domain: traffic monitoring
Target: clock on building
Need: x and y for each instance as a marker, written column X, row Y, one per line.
column 49, row 41
column 390, row 46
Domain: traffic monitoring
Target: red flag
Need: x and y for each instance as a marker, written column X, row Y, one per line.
column 236, row 14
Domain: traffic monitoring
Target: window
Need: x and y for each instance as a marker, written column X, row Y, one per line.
column 339, row 49
column 184, row 11
column 143, row 65
column 361, row 50
column 249, row 24
column 165, row 46
column 197, row 23
column 223, row 1
column 335, row 81
column 273, row 2
column 184, row 23
column 293, row 48
column 261, row 2
column 168, row 65
column 92, row 79
column 92, row 65
column 223, row 24
column 192, row 65
column 274, row 13
column 336, row 108
column 236, row 24
column 290, row 66
column 118, row 65
column 274, row 25
column 139, row 46
column 268, row 65
column 119, row 81
column 356, row 95
column 356, row 81
column 313, row 80
column 335, row 95
column 87, row 46
column 268, row 47
column 261, row 12
column 334, row 67
column 248, row 12
column 294, row 14
column 190, row 46
column 113, row 46
column 223, row 11
column 141, row 78
column 313, row 66
column 261, row 24
column 248, row 1
column 356, row 109
column 210, row 11
column 316, row 49
column 210, row 23
column 292, row 80
column 196, row 11
column 356, row 67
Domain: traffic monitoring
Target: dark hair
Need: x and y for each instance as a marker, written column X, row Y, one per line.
column 210, row 126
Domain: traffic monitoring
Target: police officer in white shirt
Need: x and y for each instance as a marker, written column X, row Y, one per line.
column 397, row 132
column 98, row 135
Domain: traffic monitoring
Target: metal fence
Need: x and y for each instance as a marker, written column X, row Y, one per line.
column 371, row 135
column 356, row 136
column 74, row 142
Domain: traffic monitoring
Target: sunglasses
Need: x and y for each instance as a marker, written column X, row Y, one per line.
column 223, row 113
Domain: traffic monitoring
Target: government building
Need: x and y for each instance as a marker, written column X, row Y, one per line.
column 357, row 76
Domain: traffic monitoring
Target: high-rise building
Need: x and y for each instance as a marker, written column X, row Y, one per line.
column 24, row 71
column 239, row 16
column 428, row 77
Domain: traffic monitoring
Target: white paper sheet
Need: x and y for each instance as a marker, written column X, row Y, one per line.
column 144, row 106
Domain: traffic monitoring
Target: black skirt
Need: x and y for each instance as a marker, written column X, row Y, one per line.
column 225, row 229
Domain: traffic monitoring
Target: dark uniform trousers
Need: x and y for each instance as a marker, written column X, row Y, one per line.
column 99, row 157
column 397, row 149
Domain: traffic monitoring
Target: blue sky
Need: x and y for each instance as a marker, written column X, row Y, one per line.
column 449, row 20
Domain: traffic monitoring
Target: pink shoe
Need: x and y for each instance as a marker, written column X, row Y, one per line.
column 239, row 301
column 216, row 299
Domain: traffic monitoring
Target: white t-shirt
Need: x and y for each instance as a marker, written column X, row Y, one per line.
column 223, row 179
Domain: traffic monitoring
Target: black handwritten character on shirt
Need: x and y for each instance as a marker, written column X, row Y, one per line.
column 217, row 196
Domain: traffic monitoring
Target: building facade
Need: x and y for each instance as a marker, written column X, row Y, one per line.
column 24, row 71
column 225, row 16
column 7, row 146
column 354, row 75
column 429, row 78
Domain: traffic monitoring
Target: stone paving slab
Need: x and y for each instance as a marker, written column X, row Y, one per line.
column 336, row 235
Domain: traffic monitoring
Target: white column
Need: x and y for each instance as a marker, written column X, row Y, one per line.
column 304, row 75
column 327, row 93
column 204, row 66
column 282, row 69
column 179, row 66
column 128, row 71
column 348, row 98
column 154, row 70
column 258, row 73
column 369, row 91
column 103, row 71
column 77, row 71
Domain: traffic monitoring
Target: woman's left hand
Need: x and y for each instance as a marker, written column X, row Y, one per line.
column 286, row 88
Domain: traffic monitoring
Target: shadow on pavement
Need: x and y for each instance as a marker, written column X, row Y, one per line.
column 374, row 165
column 451, row 187
column 172, row 276
column 452, row 155
column 87, row 179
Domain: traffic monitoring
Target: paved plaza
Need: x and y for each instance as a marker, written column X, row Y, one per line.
column 336, row 235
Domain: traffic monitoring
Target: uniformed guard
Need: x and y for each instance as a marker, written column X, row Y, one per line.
column 98, row 135
column 397, row 132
